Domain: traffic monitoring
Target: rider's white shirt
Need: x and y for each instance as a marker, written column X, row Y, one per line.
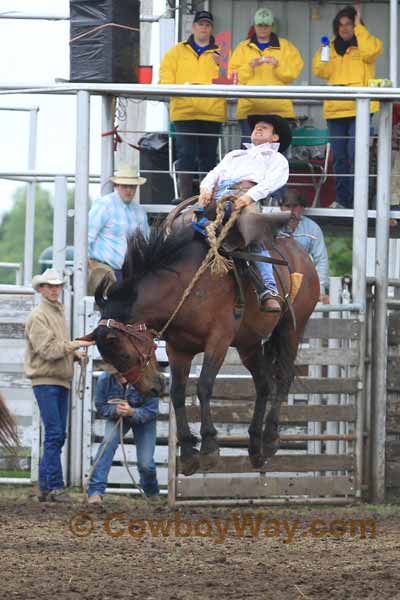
column 262, row 164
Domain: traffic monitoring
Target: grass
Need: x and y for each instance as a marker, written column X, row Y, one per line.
column 18, row 474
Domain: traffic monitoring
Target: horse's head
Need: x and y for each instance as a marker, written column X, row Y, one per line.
column 130, row 349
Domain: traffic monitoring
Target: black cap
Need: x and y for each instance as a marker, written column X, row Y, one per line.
column 293, row 197
column 280, row 125
column 203, row 15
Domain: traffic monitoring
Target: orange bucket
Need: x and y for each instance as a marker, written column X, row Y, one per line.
column 145, row 74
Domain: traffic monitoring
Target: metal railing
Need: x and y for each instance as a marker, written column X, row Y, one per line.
column 14, row 266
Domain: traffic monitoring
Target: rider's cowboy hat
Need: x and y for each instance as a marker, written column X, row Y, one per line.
column 127, row 176
column 49, row 277
column 280, row 125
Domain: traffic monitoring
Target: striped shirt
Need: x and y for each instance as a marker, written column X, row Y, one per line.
column 111, row 223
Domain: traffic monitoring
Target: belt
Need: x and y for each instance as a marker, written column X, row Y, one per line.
column 244, row 185
column 100, row 262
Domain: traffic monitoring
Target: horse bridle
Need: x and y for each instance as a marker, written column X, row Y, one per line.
column 145, row 351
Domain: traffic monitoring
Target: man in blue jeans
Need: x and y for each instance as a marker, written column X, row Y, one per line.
column 49, row 365
column 115, row 397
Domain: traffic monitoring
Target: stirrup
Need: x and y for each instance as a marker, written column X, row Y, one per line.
column 270, row 294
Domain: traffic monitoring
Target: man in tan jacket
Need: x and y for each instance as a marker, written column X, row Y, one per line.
column 49, row 364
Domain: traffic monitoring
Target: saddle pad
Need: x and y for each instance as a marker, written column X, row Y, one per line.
column 295, row 285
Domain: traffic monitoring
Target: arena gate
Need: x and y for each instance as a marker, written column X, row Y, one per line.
column 320, row 460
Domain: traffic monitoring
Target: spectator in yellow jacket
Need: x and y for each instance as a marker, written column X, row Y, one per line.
column 353, row 52
column 195, row 61
column 264, row 59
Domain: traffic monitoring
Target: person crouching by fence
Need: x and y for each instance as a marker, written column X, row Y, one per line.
column 115, row 398
column 49, row 364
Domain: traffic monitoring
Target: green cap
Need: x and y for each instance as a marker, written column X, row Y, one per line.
column 263, row 17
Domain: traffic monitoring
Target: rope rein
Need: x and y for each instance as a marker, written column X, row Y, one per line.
column 219, row 264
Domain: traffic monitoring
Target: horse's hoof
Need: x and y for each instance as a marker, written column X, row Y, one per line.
column 271, row 447
column 257, row 460
column 210, row 460
column 191, row 464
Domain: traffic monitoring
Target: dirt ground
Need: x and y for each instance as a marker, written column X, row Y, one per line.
column 129, row 550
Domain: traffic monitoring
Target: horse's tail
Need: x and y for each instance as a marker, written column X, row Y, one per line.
column 281, row 349
column 8, row 429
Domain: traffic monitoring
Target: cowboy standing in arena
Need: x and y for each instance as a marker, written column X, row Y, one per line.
column 49, row 364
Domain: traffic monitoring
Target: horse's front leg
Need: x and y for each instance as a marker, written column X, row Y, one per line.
column 213, row 359
column 180, row 368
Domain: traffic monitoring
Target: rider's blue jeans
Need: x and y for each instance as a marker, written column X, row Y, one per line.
column 225, row 187
column 145, row 440
column 265, row 269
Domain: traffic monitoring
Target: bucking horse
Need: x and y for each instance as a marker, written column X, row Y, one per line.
column 155, row 276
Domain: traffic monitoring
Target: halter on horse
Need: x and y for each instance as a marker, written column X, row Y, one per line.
column 156, row 274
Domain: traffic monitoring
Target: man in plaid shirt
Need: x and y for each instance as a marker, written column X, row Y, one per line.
column 112, row 220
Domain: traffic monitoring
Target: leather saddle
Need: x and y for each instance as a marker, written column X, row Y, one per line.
column 251, row 225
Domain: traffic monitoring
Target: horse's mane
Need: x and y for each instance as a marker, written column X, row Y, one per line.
column 143, row 257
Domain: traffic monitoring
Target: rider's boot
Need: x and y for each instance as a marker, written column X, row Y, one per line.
column 269, row 301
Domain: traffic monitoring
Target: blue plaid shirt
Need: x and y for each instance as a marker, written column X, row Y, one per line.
column 111, row 223
column 309, row 234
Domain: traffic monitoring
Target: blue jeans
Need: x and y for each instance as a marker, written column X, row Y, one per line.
column 265, row 269
column 196, row 152
column 145, row 440
column 342, row 137
column 53, row 406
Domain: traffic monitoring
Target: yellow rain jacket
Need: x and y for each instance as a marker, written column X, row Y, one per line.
column 288, row 69
column 182, row 65
column 354, row 68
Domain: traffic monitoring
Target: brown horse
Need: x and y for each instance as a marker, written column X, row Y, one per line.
column 8, row 431
column 156, row 273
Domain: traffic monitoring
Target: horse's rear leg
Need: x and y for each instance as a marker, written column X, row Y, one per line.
column 255, row 362
column 180, row 368
column 213, row 359
column 284, row 344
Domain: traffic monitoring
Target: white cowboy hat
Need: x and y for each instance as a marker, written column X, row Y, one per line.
column 49, row 277
column 127, row 176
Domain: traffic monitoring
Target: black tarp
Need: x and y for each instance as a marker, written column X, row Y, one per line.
column 110, row 54
column 159, row 187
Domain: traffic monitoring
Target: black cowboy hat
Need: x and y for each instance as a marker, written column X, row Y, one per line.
column 280, row 125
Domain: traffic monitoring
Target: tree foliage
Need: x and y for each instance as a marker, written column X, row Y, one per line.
column 12, row 231
column 340, row 251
